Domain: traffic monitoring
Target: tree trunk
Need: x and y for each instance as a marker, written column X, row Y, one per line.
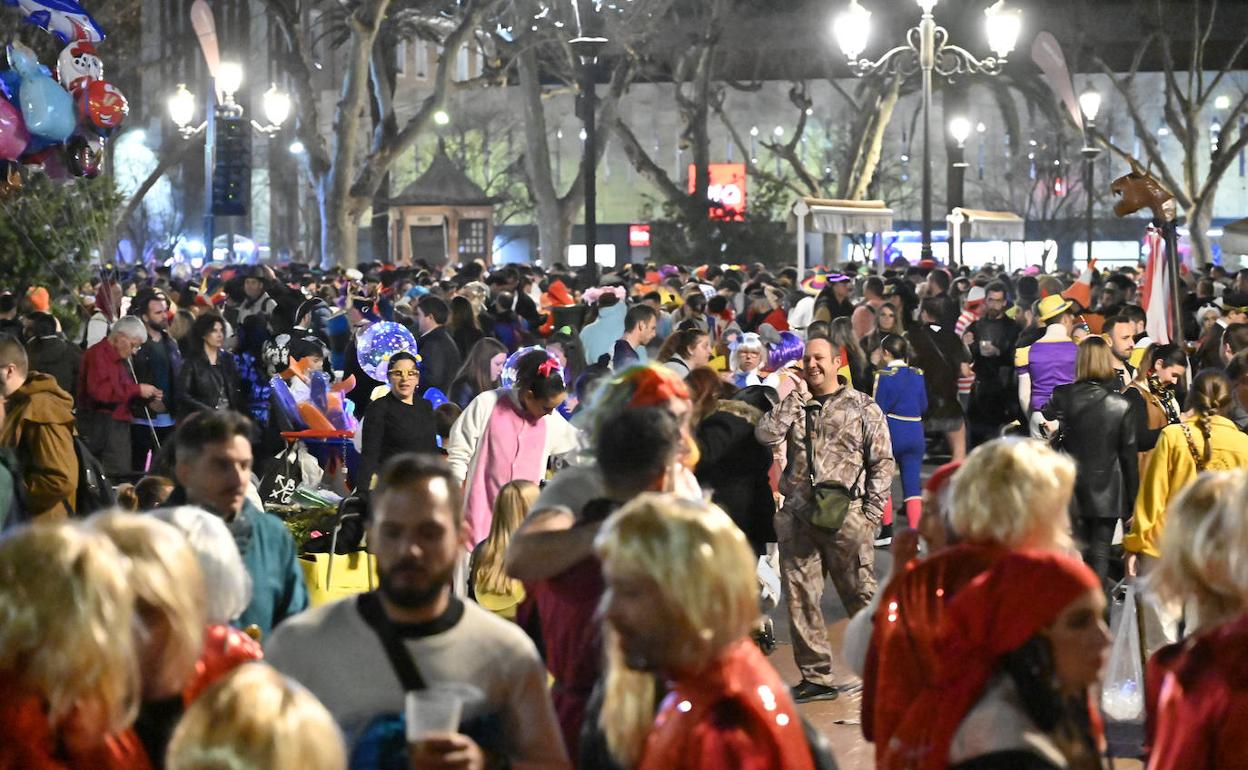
column 339, row 229
column 1199, row 219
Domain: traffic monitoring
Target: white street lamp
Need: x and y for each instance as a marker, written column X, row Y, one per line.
column 441, row 118
column 182, row 107
column 1222, row 102
column 960, row 130
column 852, row 28
column 1003, row 27
column 1090, row 104
column 229, row 79
column 276, row 105
column 927, row 5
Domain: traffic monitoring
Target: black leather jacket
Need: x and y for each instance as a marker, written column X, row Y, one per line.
column 200, row 385
column 1098, row 432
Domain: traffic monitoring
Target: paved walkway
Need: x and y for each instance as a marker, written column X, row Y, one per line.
column 839, row 719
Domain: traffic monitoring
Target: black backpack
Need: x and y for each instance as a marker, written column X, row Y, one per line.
column 95, row 492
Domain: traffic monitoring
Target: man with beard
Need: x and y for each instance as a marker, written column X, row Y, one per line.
column 993, row 339
column 156, row 362
column 361, row 654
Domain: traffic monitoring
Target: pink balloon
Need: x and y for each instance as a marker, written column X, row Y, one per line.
column 13, row 134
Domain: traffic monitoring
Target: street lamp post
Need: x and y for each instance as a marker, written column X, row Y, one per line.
column 927, row 50
column 1089, row 105
column 228, row 80
column 587, row 48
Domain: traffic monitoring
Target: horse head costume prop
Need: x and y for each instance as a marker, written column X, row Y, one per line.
column 1141, row 190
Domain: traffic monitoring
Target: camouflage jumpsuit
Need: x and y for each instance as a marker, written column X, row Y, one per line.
column 807, row 553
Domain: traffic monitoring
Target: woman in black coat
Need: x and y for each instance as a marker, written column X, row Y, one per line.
column 398, row 422
column 1097, row 429
column 734, row 466
column 208, row 379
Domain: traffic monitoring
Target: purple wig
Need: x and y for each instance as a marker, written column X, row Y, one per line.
column 789, row 348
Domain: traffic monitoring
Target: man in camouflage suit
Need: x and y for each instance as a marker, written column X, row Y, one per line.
column 850, row 446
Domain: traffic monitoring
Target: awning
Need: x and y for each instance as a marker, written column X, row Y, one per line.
column 978, row 225
column 1234, row 238
column 845, row 217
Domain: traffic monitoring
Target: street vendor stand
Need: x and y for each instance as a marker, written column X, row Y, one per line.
column 978, row 225
column 836, row 217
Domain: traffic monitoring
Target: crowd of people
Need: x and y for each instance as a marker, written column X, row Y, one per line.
column 585, row 497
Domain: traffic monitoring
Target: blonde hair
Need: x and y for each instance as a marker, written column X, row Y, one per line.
column 1204, row 547
column 256, row 719
column 169, row 591
column 1095, row 360
column 513, row 502
column 1014, row 492
column 705, row 571
column 66, row 614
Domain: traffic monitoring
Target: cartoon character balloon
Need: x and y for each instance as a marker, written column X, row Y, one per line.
column 378, row 343
column 78, row 65
column 507, row 378
column 65, row 19
column 46, row 107
column 102, row 107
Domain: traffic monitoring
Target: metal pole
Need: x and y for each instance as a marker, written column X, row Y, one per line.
column 1171, row 231
column 927, row 62
column 1089, row 168
column 590, row 166
column 210, row 160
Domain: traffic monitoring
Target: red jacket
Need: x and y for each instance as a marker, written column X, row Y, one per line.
column 735, row 714
column 1199, row 720
column 28, row 741
column 105, row 383
column 902, row 657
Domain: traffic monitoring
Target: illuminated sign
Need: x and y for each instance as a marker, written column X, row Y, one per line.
column 726, row 191
column 639, row 235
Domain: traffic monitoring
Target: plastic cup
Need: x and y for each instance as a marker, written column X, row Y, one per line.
column 431, row 711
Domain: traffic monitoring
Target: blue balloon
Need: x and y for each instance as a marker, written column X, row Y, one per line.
column 378, row 343
column 10, row 85
column 435, row 397
column 507, row 378
column 47, row 108
column 284, row 399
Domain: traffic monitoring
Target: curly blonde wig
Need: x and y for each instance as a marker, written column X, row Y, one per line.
column 1014, row 492
column 66, row 622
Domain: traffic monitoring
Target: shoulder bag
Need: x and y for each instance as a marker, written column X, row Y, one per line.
column 830, row 500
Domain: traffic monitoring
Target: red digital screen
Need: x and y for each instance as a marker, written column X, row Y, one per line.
column 639, row 235
column 726, row 191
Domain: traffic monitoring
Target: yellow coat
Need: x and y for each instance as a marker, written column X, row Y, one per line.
column 1170, row 468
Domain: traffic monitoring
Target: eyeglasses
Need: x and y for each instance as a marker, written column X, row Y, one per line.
column 405, row 374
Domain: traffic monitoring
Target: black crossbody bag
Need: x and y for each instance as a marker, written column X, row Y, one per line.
column 831, row 500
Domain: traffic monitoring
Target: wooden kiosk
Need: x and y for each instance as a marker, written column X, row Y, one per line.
column 442, row 217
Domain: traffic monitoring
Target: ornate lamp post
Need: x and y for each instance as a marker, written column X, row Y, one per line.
column 927, row 50
column 229, row 80
column 1089, row 105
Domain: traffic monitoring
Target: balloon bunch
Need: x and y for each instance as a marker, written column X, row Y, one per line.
column 58, row 124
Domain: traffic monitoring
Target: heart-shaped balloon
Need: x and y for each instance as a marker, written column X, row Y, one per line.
column 13, row 134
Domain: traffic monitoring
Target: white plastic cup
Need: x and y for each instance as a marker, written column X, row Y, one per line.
column 431, row 711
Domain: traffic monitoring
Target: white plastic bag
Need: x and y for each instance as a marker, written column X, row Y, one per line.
column 1122, row 697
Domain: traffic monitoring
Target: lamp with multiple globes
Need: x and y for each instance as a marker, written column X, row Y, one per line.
column 926, row 49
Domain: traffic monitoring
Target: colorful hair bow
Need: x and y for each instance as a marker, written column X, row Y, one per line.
column 548, row 368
